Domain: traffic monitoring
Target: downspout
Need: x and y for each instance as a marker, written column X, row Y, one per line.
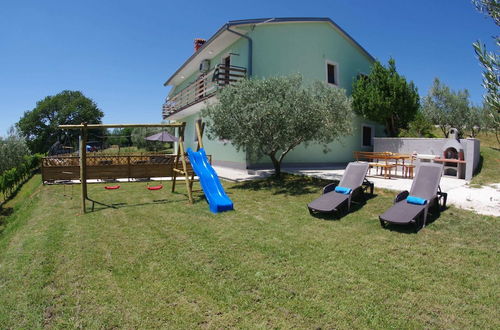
column 250, row 49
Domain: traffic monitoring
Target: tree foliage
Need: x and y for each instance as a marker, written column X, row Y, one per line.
column 139, row 135
column 13, row 149
column 476, row 120
column 385, row 96
column 40, row 125
column 490, row 62
column 119, row 136
column 420, row 126
column 12, row 178
column 447, row 108
column 490, row 8
column 274, row 115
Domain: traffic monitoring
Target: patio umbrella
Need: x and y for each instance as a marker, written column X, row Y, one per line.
column 162, row 137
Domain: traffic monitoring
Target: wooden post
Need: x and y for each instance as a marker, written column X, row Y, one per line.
column 83, row 164
column 181, row 154
column 176, row 164
column 129, row 170
column 184, row 168
column 199, row 134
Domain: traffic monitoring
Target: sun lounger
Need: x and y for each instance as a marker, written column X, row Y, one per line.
column 413, row 207
column 338, row 195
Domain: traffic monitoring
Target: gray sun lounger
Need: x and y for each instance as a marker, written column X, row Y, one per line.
column 425, row 186
column 332, row 201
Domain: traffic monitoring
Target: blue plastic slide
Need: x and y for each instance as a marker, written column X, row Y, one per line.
column 215, row 194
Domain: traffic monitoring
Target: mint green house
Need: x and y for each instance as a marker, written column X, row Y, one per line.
column 317, row 48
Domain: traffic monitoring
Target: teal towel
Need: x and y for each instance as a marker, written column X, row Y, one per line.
column 416, row 200
column 342, row 190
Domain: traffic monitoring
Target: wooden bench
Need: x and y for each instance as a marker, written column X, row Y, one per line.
column 373, row 159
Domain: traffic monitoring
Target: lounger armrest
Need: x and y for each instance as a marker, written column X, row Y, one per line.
column 401, row 196
column 330, row 187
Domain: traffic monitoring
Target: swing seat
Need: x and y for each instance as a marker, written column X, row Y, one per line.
column 111, row 187
column 155, row 187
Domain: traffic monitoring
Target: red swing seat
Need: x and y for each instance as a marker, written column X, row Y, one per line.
column 155, row 187
column 111, row 187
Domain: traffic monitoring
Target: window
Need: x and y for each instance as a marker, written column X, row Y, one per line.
column 367, row 136
column 332, row 73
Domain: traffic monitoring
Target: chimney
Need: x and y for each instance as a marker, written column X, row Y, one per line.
column 198, row 43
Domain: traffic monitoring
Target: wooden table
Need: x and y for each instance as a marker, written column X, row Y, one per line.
column 387, row 166
column 407, row 169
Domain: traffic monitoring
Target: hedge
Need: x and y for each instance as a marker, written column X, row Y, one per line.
column 11, row 179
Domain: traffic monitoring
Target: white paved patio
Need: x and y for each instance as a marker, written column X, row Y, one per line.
column 484, row 200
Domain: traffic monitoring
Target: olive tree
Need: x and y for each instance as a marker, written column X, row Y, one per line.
column 13, row 149
column 270, row 117
column 447, row 108
column 491, row 63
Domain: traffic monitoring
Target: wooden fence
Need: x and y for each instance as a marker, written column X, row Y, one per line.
column 111, row 166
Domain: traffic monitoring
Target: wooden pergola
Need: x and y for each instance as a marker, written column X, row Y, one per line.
column 181, row 153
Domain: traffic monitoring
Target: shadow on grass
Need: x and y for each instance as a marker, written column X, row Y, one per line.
column 410, row 228
column 4, row 214
column 288, row 184
column 18, row 188
column 355, row 206
column 479, row 165
column 99, row 206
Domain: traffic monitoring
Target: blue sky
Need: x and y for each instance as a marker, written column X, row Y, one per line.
column 119, row 53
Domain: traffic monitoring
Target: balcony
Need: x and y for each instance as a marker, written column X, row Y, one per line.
column 203, row 88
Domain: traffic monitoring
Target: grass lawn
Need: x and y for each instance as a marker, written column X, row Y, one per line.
column 489, row 167
column 152, row 263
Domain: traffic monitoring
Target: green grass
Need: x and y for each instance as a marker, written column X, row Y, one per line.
column 268, row 264
column 489, row 164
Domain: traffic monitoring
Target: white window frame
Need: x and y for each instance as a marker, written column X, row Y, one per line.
column 372, row 135
column 337, row 77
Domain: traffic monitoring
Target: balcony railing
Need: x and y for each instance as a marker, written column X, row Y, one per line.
column 203, row 88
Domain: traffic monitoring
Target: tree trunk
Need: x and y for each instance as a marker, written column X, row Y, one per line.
column 390, row 127
column 445, row 130
column 276, row 164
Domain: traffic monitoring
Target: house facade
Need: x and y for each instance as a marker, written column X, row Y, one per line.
column 316, row 48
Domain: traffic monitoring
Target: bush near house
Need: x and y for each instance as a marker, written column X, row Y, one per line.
column 385, row 97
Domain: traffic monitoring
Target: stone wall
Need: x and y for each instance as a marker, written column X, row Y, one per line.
column 431, row 147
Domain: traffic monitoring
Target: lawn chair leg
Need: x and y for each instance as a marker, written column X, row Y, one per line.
column 426, row 212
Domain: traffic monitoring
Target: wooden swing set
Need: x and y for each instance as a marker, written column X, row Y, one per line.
column 56, row 168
